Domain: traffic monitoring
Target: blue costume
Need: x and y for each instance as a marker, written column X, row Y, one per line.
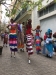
column 49, row 44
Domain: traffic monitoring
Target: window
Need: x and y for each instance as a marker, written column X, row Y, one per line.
column 41, row 13
column 46, row 10
column 51, row 8
column 55, row 6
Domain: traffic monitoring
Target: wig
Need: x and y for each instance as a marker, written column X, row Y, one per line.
column 49, row 33
column 38, row 27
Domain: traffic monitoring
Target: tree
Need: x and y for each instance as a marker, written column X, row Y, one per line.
column 27, row 3
column 23, row 4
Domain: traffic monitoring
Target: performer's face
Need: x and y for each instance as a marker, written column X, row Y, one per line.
column 11, row 20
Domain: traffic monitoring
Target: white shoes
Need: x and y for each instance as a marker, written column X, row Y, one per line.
column 29, row 61
column 14, row 56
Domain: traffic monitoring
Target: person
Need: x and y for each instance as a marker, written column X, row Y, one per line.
column 49, row 44
column 37, row 39
column 29, row 47
column 13, row 37
column 45, row 37
column 20, row 35
column 54, row 42
column 2, row 36
column 5, row 41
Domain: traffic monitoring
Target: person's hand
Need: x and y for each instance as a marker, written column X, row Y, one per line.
column 33, row 29
column 9, row 27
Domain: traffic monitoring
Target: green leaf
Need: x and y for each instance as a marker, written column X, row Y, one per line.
column 13, row 11
column 54, row 0
column 7, row 14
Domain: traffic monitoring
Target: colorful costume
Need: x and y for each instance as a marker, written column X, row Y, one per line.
column 29, row 47
column 29, row 44
column 13, row 37
column 38, row 40
column 20, row 37
column 49, row 44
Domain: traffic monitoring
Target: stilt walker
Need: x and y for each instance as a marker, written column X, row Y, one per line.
column 20, row 36
column 29, row 47
column 13, row 37
column 38, row 39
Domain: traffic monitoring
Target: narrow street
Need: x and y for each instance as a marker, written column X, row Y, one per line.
column 29, row 20
column 40, row 65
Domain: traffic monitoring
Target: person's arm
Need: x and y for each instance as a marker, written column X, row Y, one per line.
column 9, row 27
column 16, row 25
column 33, row 29
column 40, row 30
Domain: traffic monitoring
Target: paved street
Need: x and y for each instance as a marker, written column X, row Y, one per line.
column 40, row 65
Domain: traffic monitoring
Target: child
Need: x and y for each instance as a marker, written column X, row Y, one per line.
column 5, row 39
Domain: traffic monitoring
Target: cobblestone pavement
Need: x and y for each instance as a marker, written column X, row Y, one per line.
column 40, row 65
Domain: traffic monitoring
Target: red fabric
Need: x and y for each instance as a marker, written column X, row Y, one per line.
column 28, row 31
column 37, row 34
column 45, row 36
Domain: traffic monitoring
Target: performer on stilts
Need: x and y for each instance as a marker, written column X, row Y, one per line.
column 20, row 36
column 29, row 47
column 12, row 36
column 37, row 39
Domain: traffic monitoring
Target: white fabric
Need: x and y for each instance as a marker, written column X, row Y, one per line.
column 29, row 43
column 30, row 51
column 48, row 40
column 29, row 46
column 12, row 33
column 13, row 47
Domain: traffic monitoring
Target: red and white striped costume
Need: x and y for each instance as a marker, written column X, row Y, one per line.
column 29, row 47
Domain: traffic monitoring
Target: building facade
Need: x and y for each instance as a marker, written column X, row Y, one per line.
column 0, row 13
column 45, row 17
column 0, row 17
